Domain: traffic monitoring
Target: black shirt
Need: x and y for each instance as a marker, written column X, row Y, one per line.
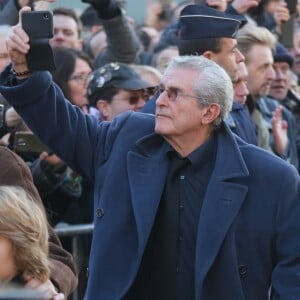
column 167, row 270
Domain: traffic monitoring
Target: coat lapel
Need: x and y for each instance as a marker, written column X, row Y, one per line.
column 147, row 171
column 221, row 205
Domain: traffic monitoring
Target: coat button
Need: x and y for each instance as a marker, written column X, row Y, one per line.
column 242, row 270
column 99, row 212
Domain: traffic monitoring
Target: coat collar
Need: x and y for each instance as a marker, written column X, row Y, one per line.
column 229, row 160
column 147, row 170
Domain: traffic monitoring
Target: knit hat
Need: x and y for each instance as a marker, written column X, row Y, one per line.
column 281, row 54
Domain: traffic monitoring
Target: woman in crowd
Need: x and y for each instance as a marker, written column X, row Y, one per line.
column 73, row 68
column 23, row 238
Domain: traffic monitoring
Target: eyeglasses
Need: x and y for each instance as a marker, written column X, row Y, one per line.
column 173, row 93
column 81, row 77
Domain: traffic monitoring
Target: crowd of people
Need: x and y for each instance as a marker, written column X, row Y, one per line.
column 178, row 139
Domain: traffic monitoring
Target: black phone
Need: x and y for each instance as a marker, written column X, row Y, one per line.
column 286, row 37
column 39, row 27
column 292, row 6
column 27, row 142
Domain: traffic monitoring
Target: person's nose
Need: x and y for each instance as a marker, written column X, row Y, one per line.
column 296, row 51
column 244, row 90
column 162, row 99
column 271, row 75
column 58, row 35
column 278, row 74
column 239, row 57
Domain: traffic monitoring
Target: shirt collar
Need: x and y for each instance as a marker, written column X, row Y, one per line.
column 199, row 156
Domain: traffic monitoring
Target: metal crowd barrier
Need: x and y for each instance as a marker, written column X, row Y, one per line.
column 74, row 232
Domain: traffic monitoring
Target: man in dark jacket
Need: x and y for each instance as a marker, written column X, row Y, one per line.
column 280, row 90
column 180, row 202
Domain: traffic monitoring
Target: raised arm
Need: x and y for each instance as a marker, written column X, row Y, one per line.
column 63, row 127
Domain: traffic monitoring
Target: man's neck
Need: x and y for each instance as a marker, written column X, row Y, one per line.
column 184, row 145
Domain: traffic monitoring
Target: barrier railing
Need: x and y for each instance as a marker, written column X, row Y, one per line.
column 74, row 232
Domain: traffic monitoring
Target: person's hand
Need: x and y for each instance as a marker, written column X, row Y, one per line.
column 47, row 288
column 12, row 118
column 52, row 160
column 18, row 44
column 242, row 6
column 23, row 3
column 282, row 13
column 155, row 11
column 279, row 128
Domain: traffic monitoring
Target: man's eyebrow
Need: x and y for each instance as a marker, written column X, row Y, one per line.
column 234, row 47
column 172, row 87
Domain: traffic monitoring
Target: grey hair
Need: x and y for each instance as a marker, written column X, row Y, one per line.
column 213, row 84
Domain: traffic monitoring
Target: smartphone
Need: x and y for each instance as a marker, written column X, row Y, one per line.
column 287, row 33
column 291, row 5
column 39, row 27
column 25, row 141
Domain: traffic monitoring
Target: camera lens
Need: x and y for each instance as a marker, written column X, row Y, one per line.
column 46, row 16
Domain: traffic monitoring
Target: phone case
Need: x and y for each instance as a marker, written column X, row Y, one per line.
column 292, row 6
column 39, row 27
column 25, row 141
column 287, row 33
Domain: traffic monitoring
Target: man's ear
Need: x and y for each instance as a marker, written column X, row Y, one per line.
column 104, row 108
column 211, row 113
column 80, row 44
column 208, row 54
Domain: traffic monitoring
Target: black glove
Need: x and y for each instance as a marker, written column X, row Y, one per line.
column 106, row 9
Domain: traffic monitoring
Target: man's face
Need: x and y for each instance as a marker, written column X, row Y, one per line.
column 179, row 116
column 124, row 100
column 295, row 51
column 240, row 85
column 229, row 57
column 260, row 70
column 65, row 33
column 280, row 85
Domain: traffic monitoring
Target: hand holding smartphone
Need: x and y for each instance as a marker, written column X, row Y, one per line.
column 39, row 27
